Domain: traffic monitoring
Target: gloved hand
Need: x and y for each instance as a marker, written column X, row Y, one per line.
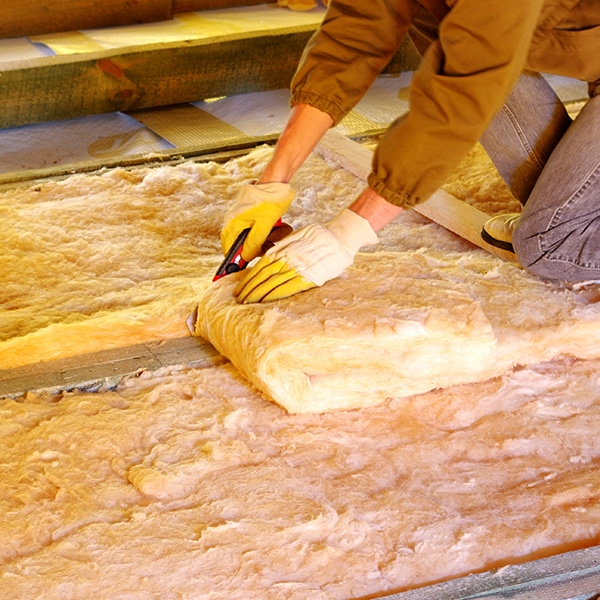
column 306, row 259
column 258, row 207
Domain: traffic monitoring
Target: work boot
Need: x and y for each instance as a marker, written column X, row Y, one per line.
column 498, row 230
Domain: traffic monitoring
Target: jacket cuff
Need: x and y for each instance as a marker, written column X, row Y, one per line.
column 400, row 198
column 323, row 104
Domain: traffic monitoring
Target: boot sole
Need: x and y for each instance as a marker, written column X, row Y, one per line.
column 486, row 237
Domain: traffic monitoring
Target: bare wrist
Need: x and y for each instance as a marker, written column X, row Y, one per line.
column 375, row 209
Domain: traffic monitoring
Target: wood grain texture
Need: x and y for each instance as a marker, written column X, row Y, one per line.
column 192, row 5
column 442, row 208
column 33, row 17
column 154, row 75
column 137, row 77
column 106, row 368
column 570, row 576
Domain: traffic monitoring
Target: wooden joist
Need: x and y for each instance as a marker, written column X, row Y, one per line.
column 105, row 369
column 153, row 75
column 35, row 17
column 32, row 17
column 573, row 575
column 180, row 6
column 442, row 208
column 67, row 86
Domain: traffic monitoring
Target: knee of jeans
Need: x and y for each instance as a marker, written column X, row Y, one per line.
column 530, row 255
column 542, row 263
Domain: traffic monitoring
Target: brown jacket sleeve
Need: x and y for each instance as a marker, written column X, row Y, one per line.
column 355, row 42
column 465, row 77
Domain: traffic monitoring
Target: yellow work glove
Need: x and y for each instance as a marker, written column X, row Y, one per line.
column 258, row 207
column 306, row 259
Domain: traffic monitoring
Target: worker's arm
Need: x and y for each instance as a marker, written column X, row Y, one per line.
column 464, row 79
column 306, row 125
column 355, row 41
column 315, row 254
column 375, row 209
column 261, row 204
column 345, row 60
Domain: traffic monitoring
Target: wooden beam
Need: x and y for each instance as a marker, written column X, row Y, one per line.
column 442, row 208
column 570, row 576
column 105, row 369
column 200, row 153
column 67, row 86
column 153, row 75
column 193, row 5
column 33, row 17
column 37, row 17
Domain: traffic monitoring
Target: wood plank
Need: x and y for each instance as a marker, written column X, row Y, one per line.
column 105, row 369
column 569, row 576
column 460, row 218
column 442, row 208
column 193, row 5
column 33, row 17
column 154, row 75
column 137, row 77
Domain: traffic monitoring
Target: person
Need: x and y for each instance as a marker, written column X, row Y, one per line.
column 479, row 80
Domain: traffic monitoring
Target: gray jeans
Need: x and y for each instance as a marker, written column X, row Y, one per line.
column 552, row 166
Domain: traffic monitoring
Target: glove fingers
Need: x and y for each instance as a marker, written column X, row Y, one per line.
column 305, row 259
column 270, row 280
column 264, row 268
column 288, row 288
column 259, row 231
column 268, row 290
